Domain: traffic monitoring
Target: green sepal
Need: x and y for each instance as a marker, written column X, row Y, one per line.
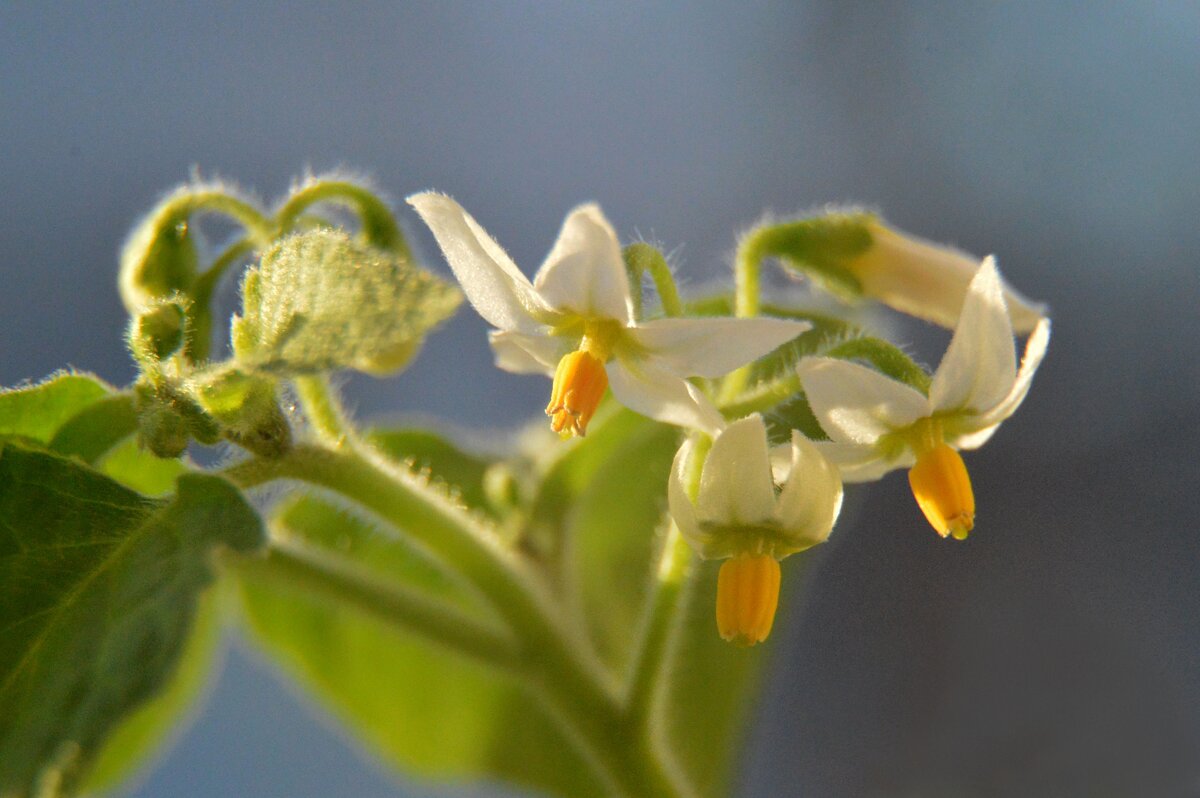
column 98, row 591
column 320, row 300
column 818, row 247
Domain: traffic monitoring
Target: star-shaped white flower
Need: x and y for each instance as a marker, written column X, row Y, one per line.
column 740, row 514
column 575, row 322
column 877, row 424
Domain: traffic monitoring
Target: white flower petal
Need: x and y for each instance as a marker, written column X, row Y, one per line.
column 682, row 509
column 812, row 496
column 736, row 486
column 662, row 396
column 712, row 347
column 979, row 366
column 861, row 463
column 928, row 280
column 973, row 439
column 584, row 272
column 524, row 353
column 856, row 404
column 1035, row 350
column 492, row 282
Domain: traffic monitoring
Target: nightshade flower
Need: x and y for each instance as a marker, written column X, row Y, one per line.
column 575, row 322
column 739, row 514
column 925, row 279
column 877, row 424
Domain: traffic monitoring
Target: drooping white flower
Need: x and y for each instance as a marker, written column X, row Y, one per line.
column 877, row 424
column 925, row 279
column 739, row 514
column 575, row 322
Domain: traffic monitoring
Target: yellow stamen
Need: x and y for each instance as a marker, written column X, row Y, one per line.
column 579, row 384
column 942, row 488
column 747, row 594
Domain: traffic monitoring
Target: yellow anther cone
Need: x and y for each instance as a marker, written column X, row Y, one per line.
column 747, row 595
column 942, row 488
column 579, row 384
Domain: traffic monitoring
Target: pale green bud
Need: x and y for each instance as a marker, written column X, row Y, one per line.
column 247, row 409
column 159, row 331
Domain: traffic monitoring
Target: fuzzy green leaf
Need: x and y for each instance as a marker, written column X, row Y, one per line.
column 39, row 411
column 321, row 300
column 98, row 590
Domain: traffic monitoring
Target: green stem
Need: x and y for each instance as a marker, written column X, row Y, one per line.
column 291, row 566
column 200, row 334
column 649, row 667
column 323, row 410
column 641, row 258
column 378, row 225
column 257, row 225
column 746, row 304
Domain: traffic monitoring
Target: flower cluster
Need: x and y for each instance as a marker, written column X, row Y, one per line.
column 731, row 495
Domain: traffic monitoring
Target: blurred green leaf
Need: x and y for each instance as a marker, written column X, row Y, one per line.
column 417, row 706
column 148, row 730
column 609, row 496
column 377, row 550
column 139, row 470
column 98, row 590
column 320, row 300
column 38, row 411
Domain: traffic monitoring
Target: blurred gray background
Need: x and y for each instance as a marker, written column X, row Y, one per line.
column 1057, row 653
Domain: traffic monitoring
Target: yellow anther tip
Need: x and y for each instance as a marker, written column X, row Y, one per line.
column 942, row 488
column 747, row 596
column 579, row 384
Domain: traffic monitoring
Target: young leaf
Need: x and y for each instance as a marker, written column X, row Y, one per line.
column 98, row 589
column 321, row 300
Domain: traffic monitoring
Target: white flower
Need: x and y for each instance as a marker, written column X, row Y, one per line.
column 575, row 322
column 739, row 514
column 877, row 424
column 925, row 279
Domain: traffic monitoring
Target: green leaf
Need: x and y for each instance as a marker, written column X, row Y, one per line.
column 415, row 705
column 817, row 247
column 146, row 731
column 37, row 412
column 98, row 590
column 138, row 469
column 321, row 300
column 607, row 499
column 97, row 428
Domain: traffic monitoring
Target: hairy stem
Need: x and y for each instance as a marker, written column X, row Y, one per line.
column 641, row 258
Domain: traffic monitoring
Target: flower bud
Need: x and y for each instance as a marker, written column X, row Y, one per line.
column 158, row 331
column 159, row 258
column 246, row 408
